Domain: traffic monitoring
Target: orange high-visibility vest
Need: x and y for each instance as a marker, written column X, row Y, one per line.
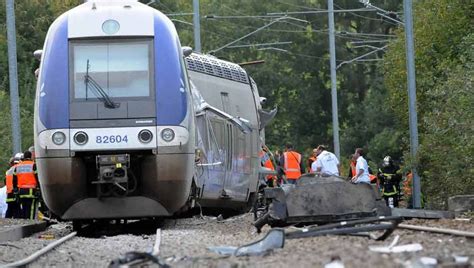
column 373, row 178
column 9, row 179
column 407, row 184
column 311, row 160
column 26, row 174
column 267, row 162
column 292, row 165
column 353, row 168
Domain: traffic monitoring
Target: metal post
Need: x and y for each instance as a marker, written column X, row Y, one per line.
column 13, row 75
column 197, row 27
column 407, row 7
column 332, row 52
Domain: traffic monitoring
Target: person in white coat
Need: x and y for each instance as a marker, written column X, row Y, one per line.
column 326, row 163
column 3, row 201
column 362, row 168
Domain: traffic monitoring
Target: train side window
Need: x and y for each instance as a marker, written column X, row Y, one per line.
column 216, row 141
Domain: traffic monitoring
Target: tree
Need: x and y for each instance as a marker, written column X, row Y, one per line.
column 444, row 55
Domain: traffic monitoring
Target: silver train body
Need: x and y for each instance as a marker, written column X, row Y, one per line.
column 126, row 126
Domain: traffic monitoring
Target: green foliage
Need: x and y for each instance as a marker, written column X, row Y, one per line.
column 372, row 99
column 33, row 19
column 444, row 61
column 5, row 131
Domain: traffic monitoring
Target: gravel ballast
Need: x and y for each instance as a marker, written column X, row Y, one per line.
column 184, row 243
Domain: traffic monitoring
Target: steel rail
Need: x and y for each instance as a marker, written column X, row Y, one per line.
column 40, row 252
column 436, row 230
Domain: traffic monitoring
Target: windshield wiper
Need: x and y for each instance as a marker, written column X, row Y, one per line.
column 98, row 91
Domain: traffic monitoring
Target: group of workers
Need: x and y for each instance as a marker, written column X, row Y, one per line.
column 289, row 166
column 22, row 186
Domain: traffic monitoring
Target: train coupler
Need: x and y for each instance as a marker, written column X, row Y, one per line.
column 112, row 174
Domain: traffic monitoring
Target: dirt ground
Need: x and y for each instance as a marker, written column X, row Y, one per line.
column 185, row 242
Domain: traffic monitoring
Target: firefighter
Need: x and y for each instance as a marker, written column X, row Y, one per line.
column 291, row 164
column 266, row 160
column 390, row 177
column 13, row 200
column 26, row 178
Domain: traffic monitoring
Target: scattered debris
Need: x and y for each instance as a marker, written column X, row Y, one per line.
column 422, row 213
column 46, row 236
column 460, row 259
column 336, row 262
column 428, row 261
column 156, row 247
column 396, row 249
column 463, row 219
column 135, row 257
column 350, row 227
column 275, row 238
column 312, row 200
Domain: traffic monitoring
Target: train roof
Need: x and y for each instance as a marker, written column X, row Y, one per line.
column 213, row 66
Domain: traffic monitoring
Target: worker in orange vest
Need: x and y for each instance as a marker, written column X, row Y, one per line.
column 13, row 200
column 310, row 160
column 26, row 178
column 352, row 167
column 266, row 161
column 291, row 164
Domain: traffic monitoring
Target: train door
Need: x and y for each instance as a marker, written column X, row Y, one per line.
column 218, row 157
column 237, row 183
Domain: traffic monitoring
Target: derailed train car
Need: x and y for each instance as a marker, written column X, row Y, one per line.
column 126, row 128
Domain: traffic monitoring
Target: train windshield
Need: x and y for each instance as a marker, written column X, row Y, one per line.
column 111, row 69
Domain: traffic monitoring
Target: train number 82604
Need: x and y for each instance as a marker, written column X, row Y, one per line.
column 111, row 139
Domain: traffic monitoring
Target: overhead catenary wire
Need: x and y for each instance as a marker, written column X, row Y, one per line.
column 257, row 30
column 293, row 5
column 362, row 56
column 295, row 54
column 357, row 15
column 321, row 11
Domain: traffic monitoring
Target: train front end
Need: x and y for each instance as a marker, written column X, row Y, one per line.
column 114, row 129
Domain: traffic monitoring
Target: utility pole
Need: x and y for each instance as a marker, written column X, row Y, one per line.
column 197, row 27
column 332, row 52
column 413, row 120
column 13, row 75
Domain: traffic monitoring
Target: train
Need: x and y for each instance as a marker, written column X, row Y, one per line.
column 130, row 124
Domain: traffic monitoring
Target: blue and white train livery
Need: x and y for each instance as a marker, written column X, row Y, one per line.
column 120, row 129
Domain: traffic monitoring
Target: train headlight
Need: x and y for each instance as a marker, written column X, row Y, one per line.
column 167, row 134
column 81, row 138
column 59, row 138
column 110, row 26
column 145, row 136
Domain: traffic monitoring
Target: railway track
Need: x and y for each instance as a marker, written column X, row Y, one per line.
column 88, row 230
column 185, row 242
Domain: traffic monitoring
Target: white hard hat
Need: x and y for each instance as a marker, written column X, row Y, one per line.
column 17, row 158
